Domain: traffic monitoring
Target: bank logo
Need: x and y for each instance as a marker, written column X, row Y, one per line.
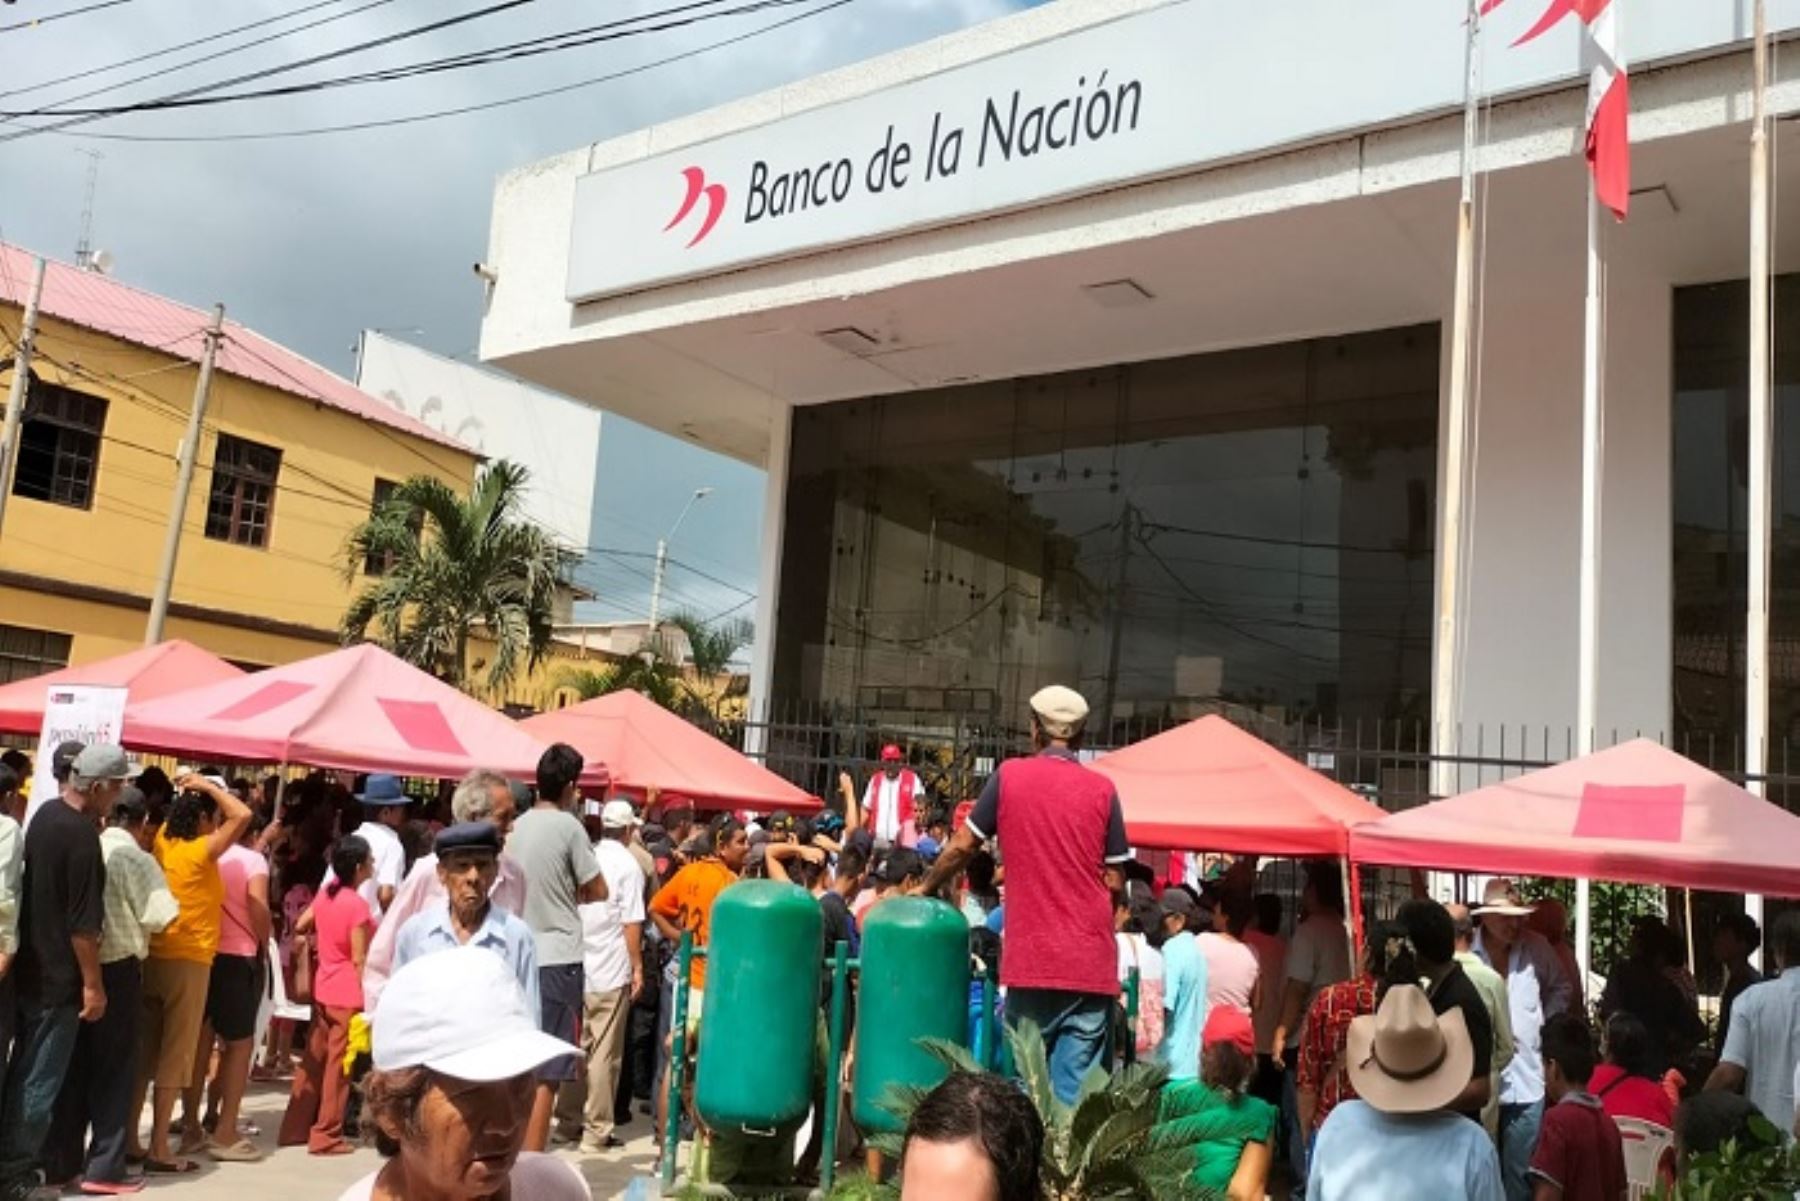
column 697, row 187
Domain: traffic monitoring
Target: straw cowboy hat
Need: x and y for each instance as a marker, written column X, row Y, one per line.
column 1501, row 897
column 1406, row 1059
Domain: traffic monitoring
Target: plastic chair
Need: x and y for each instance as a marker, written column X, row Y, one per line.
column 275, row 1002
column 1648, row 1148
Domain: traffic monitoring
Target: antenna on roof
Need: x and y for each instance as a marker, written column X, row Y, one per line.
column 84, row 255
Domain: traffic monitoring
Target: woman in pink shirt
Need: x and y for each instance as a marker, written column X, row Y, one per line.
column 1233, row 971
column 234, row 995
column 315, row 1112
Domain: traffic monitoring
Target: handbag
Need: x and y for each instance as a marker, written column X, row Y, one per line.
column 301, row 991
column 1150, row 1008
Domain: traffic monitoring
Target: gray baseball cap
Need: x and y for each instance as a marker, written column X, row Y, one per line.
column 104, row 761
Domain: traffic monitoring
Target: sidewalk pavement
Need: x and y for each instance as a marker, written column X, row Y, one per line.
column 290, row 1174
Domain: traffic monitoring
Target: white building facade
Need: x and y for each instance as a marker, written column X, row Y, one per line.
column 1107, row 344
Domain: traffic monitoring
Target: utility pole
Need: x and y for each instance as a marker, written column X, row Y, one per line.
column 662, row 558
column 15, row 397
column 184, row 480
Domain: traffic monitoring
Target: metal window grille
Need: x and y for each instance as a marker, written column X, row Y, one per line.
column 242, row 501
column 59, row 445
column 25, row 652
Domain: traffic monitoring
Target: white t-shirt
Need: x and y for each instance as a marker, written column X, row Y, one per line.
column 606, row 961
column 1319, row 956
column 1148, row 960
column 390, row 865
column 539, row 1177
column 883, row 799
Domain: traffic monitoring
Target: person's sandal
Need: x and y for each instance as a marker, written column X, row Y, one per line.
column 242, row 1151
column 179, row 1166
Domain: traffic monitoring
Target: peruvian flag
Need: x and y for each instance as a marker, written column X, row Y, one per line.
column 1608, row 148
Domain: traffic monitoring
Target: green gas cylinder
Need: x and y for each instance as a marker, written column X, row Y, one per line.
column 915, row 985
column 760, row 1015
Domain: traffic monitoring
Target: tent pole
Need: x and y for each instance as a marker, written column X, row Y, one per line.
column 1352, row 909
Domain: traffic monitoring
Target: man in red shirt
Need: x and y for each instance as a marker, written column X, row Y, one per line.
column 1064, row 838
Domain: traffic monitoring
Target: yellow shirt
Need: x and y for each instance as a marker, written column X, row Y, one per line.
column 194, row 879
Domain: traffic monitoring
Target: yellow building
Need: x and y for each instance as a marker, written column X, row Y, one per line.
column 291, row 459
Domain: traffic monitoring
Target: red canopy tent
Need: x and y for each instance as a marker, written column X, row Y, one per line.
column 148, row 673
column 1638, row 814
column 1209, row 785
column 358, row 709
column 645, row 746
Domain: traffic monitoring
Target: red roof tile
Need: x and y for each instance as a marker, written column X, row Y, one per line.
column 103, row 304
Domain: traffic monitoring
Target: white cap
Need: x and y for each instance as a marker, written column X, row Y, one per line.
column 460, row 1012
column 618, row 815
column 1061, row 711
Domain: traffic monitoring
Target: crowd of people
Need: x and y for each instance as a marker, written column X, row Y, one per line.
column 493, row 972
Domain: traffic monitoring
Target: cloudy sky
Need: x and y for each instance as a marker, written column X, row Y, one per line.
column 310, row 239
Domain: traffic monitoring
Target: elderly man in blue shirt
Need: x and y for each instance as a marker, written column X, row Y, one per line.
column 468, row 859
column 1536, row 990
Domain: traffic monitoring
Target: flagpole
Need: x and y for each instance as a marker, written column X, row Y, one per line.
column 1761, row 463
column 1592, row 434
column 1445, row 659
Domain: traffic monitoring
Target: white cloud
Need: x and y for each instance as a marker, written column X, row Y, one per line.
column 312, row 239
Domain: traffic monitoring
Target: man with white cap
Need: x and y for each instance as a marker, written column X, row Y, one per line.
column 455, row 1058
column 1535, row 989
column 612, row 933
column 1397, row 1142
column 1064, row 836
column 62, row 912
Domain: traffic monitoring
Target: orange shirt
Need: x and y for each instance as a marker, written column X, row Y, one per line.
column 687, row 901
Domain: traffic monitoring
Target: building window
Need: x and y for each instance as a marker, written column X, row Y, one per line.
column 59, row 445
column 1709, row 427
column 243, row 491
column 1249, row 533
column 25, row 653
column 381, row 564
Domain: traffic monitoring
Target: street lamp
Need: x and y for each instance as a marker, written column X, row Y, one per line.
column 662, row 557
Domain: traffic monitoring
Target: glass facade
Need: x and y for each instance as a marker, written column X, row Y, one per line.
column 1249, row 532
column 1710, row 436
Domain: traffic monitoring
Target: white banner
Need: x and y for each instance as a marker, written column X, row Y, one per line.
column 84, row 713
column 1149, row 94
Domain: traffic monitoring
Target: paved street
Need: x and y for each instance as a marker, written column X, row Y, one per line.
column 292, row 1173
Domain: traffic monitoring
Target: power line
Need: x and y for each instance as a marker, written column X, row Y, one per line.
column 615, row 30
column 189, row 45
column 459, row 111
column 283, row 68
column 62, row 16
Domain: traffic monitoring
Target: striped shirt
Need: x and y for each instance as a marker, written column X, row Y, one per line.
column 138, row 900
column 12, row 875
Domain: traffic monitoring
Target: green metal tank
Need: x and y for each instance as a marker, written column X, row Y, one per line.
column 759, row 1019
column 915, row 984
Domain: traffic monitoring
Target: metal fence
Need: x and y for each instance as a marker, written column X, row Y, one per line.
column 1391, row 763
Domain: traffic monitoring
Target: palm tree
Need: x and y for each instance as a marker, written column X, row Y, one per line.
column 453, row 563
column 648, row 672
column 711, row 648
